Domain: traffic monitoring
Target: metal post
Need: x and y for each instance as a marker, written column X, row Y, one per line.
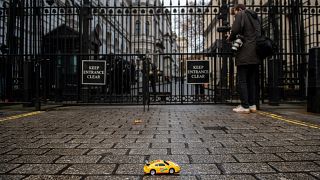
column 274, row 68
column 224, row 10
column 147, row 79
column 37, row 68
column 274, row 64
column 86, row 16
column 144, row 81
column 36, row 23
column 12, row 45
column 313, row 104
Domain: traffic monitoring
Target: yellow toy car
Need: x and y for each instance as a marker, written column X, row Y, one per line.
column 161, row 167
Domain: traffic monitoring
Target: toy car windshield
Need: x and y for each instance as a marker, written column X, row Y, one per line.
column 147, row 163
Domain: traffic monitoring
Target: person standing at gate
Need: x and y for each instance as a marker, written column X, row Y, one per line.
column 243, row 37
column 153, row 76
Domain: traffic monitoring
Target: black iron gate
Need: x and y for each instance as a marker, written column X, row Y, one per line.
column 146, row 45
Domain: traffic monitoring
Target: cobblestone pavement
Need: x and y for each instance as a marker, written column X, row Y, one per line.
column 208, row 141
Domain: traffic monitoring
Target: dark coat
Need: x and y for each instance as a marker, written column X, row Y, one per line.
column 247, row 53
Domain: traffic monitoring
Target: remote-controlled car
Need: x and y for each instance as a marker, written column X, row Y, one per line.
column 161, row 167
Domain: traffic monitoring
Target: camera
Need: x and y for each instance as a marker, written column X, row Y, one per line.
column 226, row 28
column 237, row 43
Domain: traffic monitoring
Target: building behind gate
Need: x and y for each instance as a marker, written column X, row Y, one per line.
column 145, row 46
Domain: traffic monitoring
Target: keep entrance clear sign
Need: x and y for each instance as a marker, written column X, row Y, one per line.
column 93, row 72
column 197, row 72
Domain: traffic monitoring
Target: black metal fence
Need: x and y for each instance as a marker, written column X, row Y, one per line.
column 146, row 45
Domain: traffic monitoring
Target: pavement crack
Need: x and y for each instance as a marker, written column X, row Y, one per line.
column 115, row 169
column 86, row 153
column 220, row 167
column 100, row 159
column 63, row 169
column 114, row 145
column 275, row 169
column 208, row 149
column 54, row 161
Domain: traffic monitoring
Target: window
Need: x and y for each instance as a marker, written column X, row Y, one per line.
column 73, row 64
column 147, row 28
column 137, row 27
column 162, row 165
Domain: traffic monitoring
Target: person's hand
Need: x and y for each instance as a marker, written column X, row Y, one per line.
column 228, row 37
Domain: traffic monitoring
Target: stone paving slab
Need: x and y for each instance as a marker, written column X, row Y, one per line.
column 66, row 152
column 264, row 150
column 37, row 159
column 52, row 177
column 168, row 145
column 4, row 168
column 108, row 152
column 122, row 159
column 190, row 151
column 169, row 177
column 60, row 145
column 295, row 166
column 90, row 169
column 38, row 169
column 5, row 150
column 141, row 145
column 211, row 159
column 204, row 144
column 148, row 151
column 303, row 148
column 227, row 150
column 245, row 168
column 6, row 158
column 11, row 177
column 227, row 177
column 130, row 169
column 78, row 159
column 282, row 176
column 207, row 141
column 96, row 145
column 316, row 174
column 20, row 151
column 113, row 177
column 257, row 157
column 198, row 169
column 299, row 156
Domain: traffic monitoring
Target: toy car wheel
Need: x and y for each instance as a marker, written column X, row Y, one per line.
column 171, row 171
column 153, row 172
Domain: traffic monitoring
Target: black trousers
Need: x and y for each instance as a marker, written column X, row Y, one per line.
column 199, row 88
column 152, row 80
column 247, row 84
